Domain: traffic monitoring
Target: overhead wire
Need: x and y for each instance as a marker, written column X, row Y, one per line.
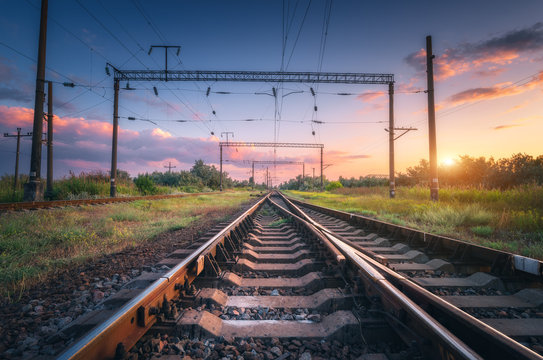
column 134, row 55
column 446, row 112
column 161, row 37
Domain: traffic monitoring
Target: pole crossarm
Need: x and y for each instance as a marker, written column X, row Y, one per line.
column 253, row 76
column 269, row 144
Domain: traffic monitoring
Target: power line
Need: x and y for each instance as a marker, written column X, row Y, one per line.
column 526, row 80
column 59, row 24
column 110, row 33
column 299, row 32
column 324, row 34
column 156, row 30
column 147, row 18
column 134, row 55
column 121, row 25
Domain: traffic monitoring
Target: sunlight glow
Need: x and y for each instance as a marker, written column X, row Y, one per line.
column 448, row 162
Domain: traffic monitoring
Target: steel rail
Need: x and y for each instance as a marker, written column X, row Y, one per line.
column 518, row 262
column 452, row 345
column 62, row 203
column 98, row 343
column 503, row 344
column 314, row 231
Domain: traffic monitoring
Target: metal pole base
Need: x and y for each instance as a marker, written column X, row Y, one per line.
column 33, row 191
column 434, row 194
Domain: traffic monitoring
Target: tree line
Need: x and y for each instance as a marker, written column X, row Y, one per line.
column 466, row 171
column 200, row 177
column 517, row 170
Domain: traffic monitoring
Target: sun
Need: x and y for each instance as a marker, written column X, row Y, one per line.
column 448, row 162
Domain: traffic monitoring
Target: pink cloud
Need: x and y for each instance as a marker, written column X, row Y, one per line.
column 508, row 126
column 370, row 96
column 500, row 50
column 83, row 164
column 161, row 133
column 495, row 91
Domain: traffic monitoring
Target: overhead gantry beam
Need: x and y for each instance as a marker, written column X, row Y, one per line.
column 262, row 76
column 269, row 144
column 254, row 76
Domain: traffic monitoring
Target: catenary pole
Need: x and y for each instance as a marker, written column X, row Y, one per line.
column 113, row 174
column 18, row 136
column 434, row 184
column 33, row 190
column 49, row 188
column 391, row 175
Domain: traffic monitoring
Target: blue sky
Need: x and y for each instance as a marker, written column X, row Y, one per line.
column 482, row 49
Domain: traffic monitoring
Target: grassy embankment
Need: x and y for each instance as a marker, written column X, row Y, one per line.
column 32, row 244
column 88, row 186
column 510, row 220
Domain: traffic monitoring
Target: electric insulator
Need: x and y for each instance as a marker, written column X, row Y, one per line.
column 313, row 132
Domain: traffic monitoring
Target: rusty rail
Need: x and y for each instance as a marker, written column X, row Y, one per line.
column 32, row 205
column 128, row 324
column 492, row 257
column 478, row 335
column 444, row 344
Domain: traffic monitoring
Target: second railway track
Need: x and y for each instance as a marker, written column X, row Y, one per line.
column 282, row 283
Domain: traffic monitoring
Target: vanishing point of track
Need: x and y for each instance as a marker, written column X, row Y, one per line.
column 289, row 280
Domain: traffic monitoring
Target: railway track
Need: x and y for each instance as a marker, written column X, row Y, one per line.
column 285, row 281
column 33, row 205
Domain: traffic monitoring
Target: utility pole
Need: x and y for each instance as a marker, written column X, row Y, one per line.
column 313, row 180
column 322, row 171
column 113, row 174
column 166, row 47
column 220, row 183
column 253, row 175
column 49, row 188
column 18, row 136
column 220, row 146
column 391, row 177
column 391, row 138
column 33, row 190
column 434, row 184
column 303, row 174
column 267, row 179
column 169, row 166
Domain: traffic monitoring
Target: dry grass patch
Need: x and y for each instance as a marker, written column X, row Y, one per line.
column 34, row 243
column 510, row 220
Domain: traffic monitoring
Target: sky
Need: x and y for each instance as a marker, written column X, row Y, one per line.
column 488, row 82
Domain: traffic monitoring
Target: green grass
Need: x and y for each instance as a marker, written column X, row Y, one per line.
column 511, row 220
column 278, row 223
column 483, row 231
column 32, row 244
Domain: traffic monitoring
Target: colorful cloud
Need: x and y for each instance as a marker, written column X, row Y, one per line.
column 499, row 50
column 495, row 91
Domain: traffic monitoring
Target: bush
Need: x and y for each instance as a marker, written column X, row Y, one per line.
column 484, row 231
column 332, row 185
column 145, row 185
